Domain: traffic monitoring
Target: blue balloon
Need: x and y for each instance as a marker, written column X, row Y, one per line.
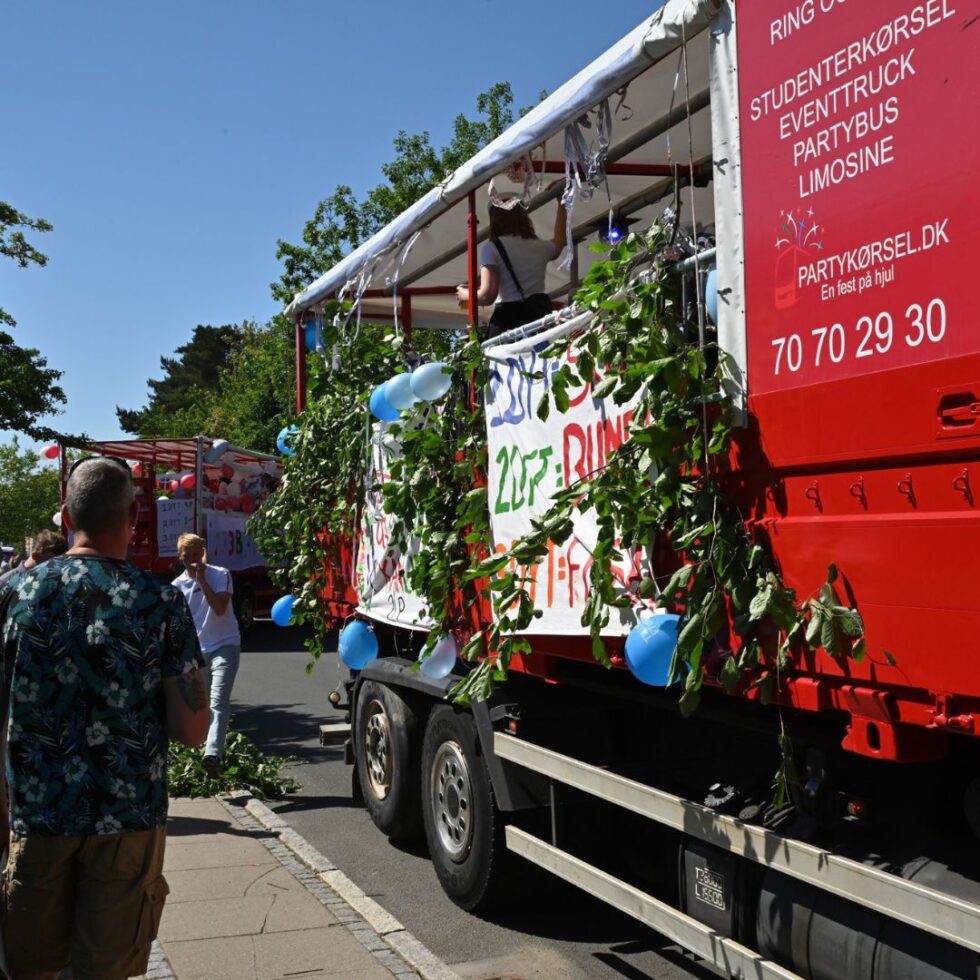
column 650, row 649
column 711, row 294
column 358, row 644
column 380, row 406
column 398, row 392
column 430, row 381
column 284, row 441
column 311, row 334
column 440, row 661
column 282, row 610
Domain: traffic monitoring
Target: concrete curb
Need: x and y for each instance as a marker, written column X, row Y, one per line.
column 418, row 956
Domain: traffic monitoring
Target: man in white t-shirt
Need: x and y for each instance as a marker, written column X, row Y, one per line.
column 208, row 590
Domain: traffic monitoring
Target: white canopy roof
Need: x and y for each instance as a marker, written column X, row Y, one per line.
column 660, row 117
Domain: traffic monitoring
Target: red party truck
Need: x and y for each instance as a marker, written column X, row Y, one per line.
column 825, row 168
column 204, row 486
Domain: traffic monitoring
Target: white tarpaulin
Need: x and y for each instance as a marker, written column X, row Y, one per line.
column 530, row 460
column 229, row 545
column 381, row 568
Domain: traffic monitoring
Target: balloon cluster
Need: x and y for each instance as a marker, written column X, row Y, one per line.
column 427, row 383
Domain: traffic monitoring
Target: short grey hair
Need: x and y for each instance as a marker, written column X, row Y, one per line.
column 99, row 496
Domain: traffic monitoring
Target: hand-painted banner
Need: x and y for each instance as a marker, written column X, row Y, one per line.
column 381, row 567
column 229, row 544
column 530, row 460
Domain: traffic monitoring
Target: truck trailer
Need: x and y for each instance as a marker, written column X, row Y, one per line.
column 824, row 163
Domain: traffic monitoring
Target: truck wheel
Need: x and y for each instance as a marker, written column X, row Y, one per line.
column 244, row 603
column 386, row 746
column 463, row 827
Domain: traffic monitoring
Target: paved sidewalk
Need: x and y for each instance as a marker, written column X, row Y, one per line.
column 243, row 907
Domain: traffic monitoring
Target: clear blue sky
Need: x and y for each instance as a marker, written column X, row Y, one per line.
column 171, row 144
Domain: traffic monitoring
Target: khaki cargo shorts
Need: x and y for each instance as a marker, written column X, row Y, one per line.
column 90, row 902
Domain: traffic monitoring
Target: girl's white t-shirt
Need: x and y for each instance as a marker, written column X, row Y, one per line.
column 213, row 631
column 528, row 256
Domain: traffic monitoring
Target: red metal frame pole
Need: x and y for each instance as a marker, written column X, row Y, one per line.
column 300, row 367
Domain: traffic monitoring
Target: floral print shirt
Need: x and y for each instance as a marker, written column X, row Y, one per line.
column 85, row 643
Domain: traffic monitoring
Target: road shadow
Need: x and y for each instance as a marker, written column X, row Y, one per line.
column 663, row 948
column 297, row 804
column 563, row 913
column 280, row 730
column 178, row 826
column 266, row 637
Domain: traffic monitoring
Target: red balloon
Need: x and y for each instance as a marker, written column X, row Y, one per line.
column 227, row 471
column 220, row 503
column 172, row 485
column 234, row 503
column 137, row 470
column 213, row 486
column 187, row 481
column 248, row 505
column 51, row 452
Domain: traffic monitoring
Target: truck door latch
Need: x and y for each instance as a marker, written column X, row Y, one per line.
column 962, row 414
column 958, row 413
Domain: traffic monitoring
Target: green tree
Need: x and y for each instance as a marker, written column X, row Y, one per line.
column 341, row 222
column 181, row 400
column 29, row 494
column 28, row 387
column 258, row 390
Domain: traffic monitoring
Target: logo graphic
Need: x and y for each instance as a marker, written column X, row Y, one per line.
column 798, row 236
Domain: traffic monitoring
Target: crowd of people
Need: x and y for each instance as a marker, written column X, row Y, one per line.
column 101, row 665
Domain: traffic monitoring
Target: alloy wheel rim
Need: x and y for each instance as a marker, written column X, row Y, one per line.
column 451, row 797
column 378, row 749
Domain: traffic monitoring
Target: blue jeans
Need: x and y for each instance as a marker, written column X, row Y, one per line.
column 223, row 666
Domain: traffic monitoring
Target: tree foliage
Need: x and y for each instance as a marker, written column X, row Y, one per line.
column 28, row 387
column 232, row 382
column 179, row 401
column 341, row 222
column 29, row 494
column 258, row 390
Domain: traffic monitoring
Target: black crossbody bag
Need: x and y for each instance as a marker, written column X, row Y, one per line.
column 529, row 309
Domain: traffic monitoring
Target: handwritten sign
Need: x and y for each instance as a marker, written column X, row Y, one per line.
column 174, row 517
column 530, row 460
column 229, row 545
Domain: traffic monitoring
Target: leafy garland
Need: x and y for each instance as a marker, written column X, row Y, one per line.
column 662, row 491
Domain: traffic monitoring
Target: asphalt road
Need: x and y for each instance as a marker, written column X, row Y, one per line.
column 566, row 935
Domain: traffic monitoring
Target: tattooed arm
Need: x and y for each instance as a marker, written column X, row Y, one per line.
column 187, row 707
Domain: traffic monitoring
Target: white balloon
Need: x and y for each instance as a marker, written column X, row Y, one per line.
column 235, row 489
column 57, row 519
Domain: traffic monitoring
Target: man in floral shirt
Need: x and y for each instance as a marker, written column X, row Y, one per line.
column 99, row 665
